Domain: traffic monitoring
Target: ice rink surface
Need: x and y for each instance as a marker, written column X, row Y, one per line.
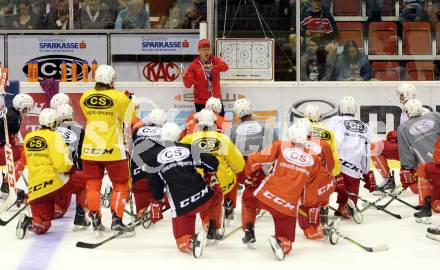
column 155, row 247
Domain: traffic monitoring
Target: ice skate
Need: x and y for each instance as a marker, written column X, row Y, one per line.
column 98, row 227
column 434, row 233
column 23, row 226
column 425, row 212
column 198, row 243
column 249, row 236
column 229, row 212
column 276, row 247
column 213, row 236
column 80, row 222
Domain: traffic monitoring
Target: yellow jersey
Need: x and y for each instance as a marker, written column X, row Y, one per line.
column 230, row 159
column 328, row 136
column 47, row 159
column 107, row 113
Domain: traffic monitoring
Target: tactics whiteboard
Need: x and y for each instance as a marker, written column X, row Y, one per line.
column 248, row 59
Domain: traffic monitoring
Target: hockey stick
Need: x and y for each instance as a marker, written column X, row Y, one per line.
column 130, row 228
column 378, row 207
column 382, row 197
column 5, row 222
column 335, row 231
column 12, row 197
column 390, row 194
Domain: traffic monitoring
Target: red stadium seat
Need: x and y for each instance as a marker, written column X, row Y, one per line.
column 386, row 71
column 346, row 7
column 350, row 31
column 416, row 38
column 382, row 38
column 388, row 9
column 420, row 71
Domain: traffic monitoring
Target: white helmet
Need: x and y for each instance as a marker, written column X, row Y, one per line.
column 158, row 117
column 406, row 91
column 65, row 112
column 214, row 104
column 205, row 118
column 59, row 99
column 304, row 123
column 313, row 113
column 298, row 133
column 170, row 132
column 48, row 118
column 105, row 74
column 23, row 103
column 347, row 105
column 413, row 108
column 242, row 107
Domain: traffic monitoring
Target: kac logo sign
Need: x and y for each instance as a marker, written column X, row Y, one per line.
column 49, row 66
column 161, row 71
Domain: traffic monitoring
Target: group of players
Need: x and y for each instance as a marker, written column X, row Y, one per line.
column 198, row 170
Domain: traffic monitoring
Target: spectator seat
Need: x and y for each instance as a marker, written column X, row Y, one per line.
column 350, row 31
column 420, row 71
column 417, row 38
column 382, row 38
column 346, row 7
column 388, row 9
column 386, row 71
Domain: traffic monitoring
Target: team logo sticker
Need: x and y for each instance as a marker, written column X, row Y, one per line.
column 321, row 133
column 173, row 154
column 298, row 157
column 249, row 128
column 36, row 143
column 207, row 144
column 149, row 131
column 421, row 126
column 98, row 101
column 68, row 135
column 355, row 126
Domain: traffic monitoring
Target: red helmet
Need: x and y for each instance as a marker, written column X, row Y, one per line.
column 392, row 136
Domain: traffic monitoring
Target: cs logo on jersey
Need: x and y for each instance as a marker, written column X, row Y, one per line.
column 421, row 126
column 249, row 128
column 298, row 157
column 355, row 126
column 68, row 135
column 98, row 101
column 148, row 132
column 37, row 143
column 173, row 154
column 208, row 144
column 321, row 133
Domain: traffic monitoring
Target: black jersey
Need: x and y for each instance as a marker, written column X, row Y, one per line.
column 14, row 121
column 73, row 135
column 172, row 167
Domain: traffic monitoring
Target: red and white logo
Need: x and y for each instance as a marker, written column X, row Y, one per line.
column 161, row 71
column 298, row 157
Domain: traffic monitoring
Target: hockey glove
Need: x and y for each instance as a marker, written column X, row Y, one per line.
column 314, row 215
column 340, row 184
column 156, row 211
column 212, row 180
column 407, row 177
column 254, row 179
column 370, row 181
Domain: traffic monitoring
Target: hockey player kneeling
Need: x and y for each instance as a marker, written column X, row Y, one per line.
column 417, row 138
column 172, row 166
column 230, row 159
column 315, row 199
column 353, row 138
column 279, row 192
column 47, row 158
column 144, row 138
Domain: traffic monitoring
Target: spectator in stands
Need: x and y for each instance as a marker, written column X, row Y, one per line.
column 193, row 18
column 317, row 22
column 412, row 11
column 315, row 63
column 25, row 19
column 133, row 17
column 58, row 18
column 121, row 5
column 286, row 69
column 433, row 14
column 352, row 64
column 95, row 15
column 6, row 8
column 38, row 7
column 376, row 11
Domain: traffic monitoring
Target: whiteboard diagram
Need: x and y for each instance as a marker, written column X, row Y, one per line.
column 248, row 59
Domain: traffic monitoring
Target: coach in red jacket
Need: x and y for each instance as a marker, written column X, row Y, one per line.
column 204, row 74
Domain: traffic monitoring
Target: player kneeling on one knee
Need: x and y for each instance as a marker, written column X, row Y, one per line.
column 47, row 158
column 172, row 166
column 294, row 166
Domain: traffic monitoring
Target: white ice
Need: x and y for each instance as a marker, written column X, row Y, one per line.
column 155, row 248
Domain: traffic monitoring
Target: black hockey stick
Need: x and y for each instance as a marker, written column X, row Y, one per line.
column 395, row 196
column 5, row 222
column 130, row 228
column 378, row 207
column 335, row 230
column 382, row 197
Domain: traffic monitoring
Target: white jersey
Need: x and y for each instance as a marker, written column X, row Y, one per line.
column 353, row 138
column 403, row 117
